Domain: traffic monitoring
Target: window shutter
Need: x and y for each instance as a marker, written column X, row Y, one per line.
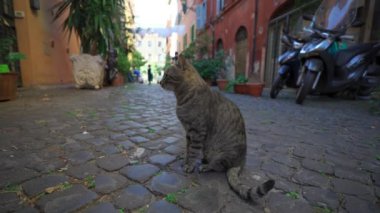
column 204, row 13
column 217, row 7
column 199, row 16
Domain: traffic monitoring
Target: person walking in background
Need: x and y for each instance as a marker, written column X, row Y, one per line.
column 150, row 75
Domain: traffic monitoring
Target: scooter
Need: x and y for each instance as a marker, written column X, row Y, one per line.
column 289, row 65
column 328, row 72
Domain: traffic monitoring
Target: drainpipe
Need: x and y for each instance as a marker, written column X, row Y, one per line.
column 255, row 35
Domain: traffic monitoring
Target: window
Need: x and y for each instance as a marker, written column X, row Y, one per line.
column 149, row 43
column 192, row 33
column 201, row 11
column 184, row 41
column 219, row 6
column 159, row 44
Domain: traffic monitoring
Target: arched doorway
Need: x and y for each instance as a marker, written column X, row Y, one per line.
column 241, row 50
column 219, row 45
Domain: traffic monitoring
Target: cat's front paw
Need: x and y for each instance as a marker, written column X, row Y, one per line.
column 189, row 168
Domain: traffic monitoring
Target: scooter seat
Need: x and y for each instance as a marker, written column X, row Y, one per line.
column 343, row 56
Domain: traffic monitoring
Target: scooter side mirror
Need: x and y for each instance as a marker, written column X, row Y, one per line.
column 357, row 23
column 307, row 17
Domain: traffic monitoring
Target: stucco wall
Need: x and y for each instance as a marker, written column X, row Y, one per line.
column 46, row 48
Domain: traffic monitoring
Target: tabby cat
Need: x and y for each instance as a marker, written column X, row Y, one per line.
column 214, row 127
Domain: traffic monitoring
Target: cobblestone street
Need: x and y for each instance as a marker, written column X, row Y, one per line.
column 120, row 149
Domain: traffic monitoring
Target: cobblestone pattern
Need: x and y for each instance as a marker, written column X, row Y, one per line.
column 63, row 149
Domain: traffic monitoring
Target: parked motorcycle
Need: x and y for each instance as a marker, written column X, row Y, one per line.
column 289, row 65
column 328, row 71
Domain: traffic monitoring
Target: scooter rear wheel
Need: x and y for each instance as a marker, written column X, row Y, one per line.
column 306, row 86
column 277, row 86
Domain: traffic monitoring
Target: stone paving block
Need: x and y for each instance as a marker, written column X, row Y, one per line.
column 119, row 137
column 130, row 133
column 277, row 169
column 306, row 177
column 166, row 182
column 112, row 162
column 286, row 186
column 133, row 197
column 82, row 136
column 102, row 208
column 83, row 170
column 139, row 173
column 8, row 197
column 377, row 192
column 321, row 197
column 98, row 141
column 106, row 183
column 80, row 157
column 371, row 166
column 38, row 185
column 163, row 206
column 286, row 160
column 353, row 174
column 317, row 166
column 16, row 176
column 68, row 200
column 353, row 205
column 279, row 203
column 376, row 179
column 175, row 149
column 154, row 145
column 162, row 159
column 27, row 210
column 343, row 161
column 108, row 149
column 46, row 166
column 202, row 200
column 309, row 152
column 126, row 145
column 351, row 187
column 138, row 139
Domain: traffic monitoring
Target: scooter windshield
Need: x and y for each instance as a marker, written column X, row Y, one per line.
column 335, row 15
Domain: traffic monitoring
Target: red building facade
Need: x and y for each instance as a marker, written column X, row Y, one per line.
column 239, row 27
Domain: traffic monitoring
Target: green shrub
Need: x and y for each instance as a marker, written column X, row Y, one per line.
column 123, row 64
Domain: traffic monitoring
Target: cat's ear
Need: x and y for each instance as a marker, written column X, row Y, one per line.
column 182, row 62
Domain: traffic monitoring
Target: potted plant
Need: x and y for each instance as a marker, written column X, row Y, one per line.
column 255, row 89
column 8, row 79
column 221, row 75
column 206, row 68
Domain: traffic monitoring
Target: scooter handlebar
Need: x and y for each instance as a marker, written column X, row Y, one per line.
column 347, row 37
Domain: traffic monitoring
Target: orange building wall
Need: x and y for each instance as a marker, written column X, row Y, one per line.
column 189, row 19
column 47, row 50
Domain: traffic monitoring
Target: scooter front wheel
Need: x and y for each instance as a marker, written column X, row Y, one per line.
column 277, row 86
column 306, row 86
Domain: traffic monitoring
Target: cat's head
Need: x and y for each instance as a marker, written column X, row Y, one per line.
column 182, row 72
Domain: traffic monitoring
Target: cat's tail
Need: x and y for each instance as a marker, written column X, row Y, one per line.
column 244, row 191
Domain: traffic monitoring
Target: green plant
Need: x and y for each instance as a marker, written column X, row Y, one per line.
column 123, row 64
column 208, row 68
column 89, row 181
column 240, row 79
column 293, row 195
column 138, row 60
column 12, row 188
column 189, row 52
column 171, row 198
column 96, row 22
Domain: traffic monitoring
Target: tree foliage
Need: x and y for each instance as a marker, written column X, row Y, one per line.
column 96, row 22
